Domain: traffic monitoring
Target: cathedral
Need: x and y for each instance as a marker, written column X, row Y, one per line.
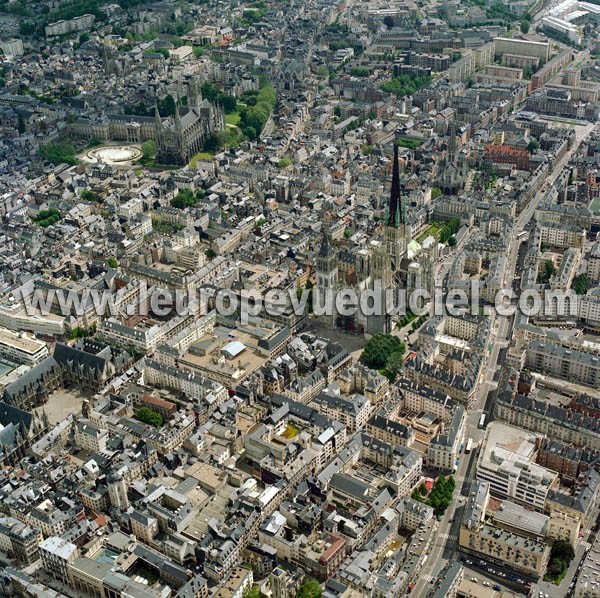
column 394, row 262
column 178, row 138
column 183, row 135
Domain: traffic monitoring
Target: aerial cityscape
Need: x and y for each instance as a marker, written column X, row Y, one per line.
column 300, row 298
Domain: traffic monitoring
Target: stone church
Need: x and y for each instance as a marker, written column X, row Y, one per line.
column 178, row 138
column 393, row 262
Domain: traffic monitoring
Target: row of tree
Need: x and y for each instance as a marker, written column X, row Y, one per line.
column 449, row 230
column 406, row 85
column 47, row 217
column 256, row 113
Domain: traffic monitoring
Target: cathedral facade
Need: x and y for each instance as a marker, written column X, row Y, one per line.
column 394, row 262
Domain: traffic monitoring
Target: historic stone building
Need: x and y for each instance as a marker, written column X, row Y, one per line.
column 393, row 263
column 177, row 137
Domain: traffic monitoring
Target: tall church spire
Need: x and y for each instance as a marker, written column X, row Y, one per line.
column 325, row 250
column 395, row 211
column 452, row 145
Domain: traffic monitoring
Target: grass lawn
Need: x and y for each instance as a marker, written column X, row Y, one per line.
column 200, row 156
column 556, row 579
column 433, row 229
column 290, row 431
column 233, row 118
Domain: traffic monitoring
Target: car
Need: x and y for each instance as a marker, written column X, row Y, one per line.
column 497, row 588
column 487, row 584
column 474, row 579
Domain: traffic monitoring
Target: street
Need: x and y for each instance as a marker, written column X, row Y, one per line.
column 445, row 546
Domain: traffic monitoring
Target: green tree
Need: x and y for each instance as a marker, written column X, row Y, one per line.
column 250, row 132
column 89, row 195
column 388, row 21
column 166, row 106
column 147, row 416
column 210, row 253
column 112, row 262
column 184, row 199
column 228, row 102
column 403, row 85
column 149, row 149
column 394, row 363
column 252, row 591
column 561, row 555
column 255, row 116
column 580, row 284
column 360, row 71
column 21, row 125
column 533, row 145
column 210, row 91
column 380, row 349
column 323, row 71
column 524, row 27
column 59, row 153
column 441, row 494
column 162, row 51
column 452, row 241
column 45, row 218
column 310, row 589
column 547, row 272
column 26, row 28
column 215, row 141
column 198, row 51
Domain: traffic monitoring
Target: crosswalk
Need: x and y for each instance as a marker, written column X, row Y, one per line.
column 427, row 577
column 452, row 537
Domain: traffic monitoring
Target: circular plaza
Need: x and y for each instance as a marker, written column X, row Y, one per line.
column 113, row 154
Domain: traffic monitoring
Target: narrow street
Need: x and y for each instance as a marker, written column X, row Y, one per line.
column 445, row 547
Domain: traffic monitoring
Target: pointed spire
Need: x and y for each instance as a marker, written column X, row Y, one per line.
column 395, row 216
column 177, row 116
column 325, row 250
column 452, row 145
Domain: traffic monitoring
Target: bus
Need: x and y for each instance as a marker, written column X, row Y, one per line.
column 469, row 446
column 481, row 421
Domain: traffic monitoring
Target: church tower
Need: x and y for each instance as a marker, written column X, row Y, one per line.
column 327, row 273
column 395, row 234
column 194, row 95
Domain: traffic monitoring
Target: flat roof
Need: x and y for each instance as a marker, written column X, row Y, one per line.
column 25, row 344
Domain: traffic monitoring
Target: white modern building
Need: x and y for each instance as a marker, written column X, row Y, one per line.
column 506, row 463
